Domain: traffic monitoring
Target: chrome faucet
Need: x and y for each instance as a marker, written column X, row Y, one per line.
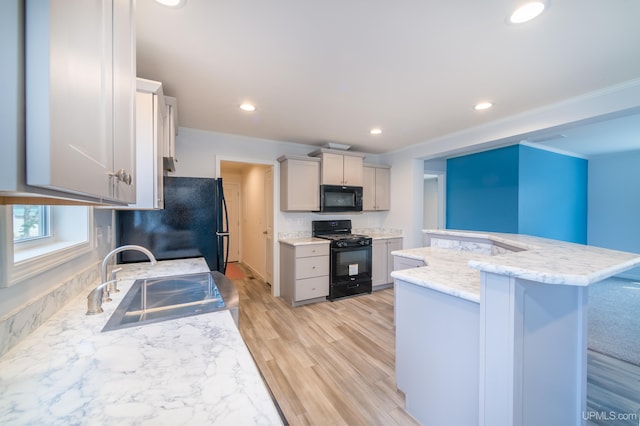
column 95, row 298
column 105, row 261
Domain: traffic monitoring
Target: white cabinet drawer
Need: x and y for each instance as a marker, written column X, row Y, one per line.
column 312, row 250
column 310, row 288
column 406, row 263
column 316, row 266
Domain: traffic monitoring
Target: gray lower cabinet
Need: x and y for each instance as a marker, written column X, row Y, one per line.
column 304, row 273
column 382, row 261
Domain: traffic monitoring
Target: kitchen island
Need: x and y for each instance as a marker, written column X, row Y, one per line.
column 191, row 370
column 492, row 331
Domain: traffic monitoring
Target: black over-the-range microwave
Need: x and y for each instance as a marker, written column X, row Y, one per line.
column 336, row 198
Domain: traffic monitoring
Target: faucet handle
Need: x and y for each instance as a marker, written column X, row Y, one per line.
column 106, row 297
column 94, row 299
column 113, row 287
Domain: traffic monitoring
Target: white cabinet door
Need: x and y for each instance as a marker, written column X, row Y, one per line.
column 170, row 131
column 299, row 184
column 392, row 245
column 379, row 262
column 382, row 261
column 375, row 188
column 76, row 134
column 352, row 167
column 383, row 181
column 150, row 117
column 124, row 92
column 369, row 188
column 332, row 169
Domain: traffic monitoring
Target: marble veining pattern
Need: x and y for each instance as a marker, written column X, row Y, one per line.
column 304, row 241
column 193, row 370
column 542, row 260
column 304, row 237
column 21, row 322
column 471, row 246
column 294, row 235
column 443, row 272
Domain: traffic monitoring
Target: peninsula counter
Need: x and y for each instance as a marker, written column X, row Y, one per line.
column 493, row 329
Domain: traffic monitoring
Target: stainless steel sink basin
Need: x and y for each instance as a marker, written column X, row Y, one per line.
column 152, row 300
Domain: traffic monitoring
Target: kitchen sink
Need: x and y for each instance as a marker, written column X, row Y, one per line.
column 152, row 300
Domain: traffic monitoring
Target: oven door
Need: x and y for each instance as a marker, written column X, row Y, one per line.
column 350, row 271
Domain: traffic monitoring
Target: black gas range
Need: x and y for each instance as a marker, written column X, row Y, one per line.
column 350, row 258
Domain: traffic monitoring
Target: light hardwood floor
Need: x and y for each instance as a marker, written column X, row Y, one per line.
column 613, row 391
column 333, row 363
column 328, row 363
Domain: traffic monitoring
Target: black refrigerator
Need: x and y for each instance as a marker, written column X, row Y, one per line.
column 192, row 224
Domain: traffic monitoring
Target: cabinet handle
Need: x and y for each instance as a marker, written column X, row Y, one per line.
column 122, row 176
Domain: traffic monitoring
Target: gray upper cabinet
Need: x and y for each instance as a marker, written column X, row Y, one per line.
column 340, row 167
column 299, row 183
column 375, row 190
column 151, row 117
column 80, row 98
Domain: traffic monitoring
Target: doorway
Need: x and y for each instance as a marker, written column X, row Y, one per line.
column 249, row 193
column 434, row 201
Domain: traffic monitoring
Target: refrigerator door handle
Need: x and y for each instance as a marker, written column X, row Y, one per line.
column 225, row 233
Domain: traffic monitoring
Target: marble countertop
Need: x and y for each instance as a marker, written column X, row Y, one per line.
column 446, row 271
column 383, row 235
column 299, row 241
column 303, row 241
column 457, row 271
column 192, row 370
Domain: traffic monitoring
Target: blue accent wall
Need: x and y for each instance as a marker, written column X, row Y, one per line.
column 519, row 189
column 482, row 191
column 614, row 203
column 552, row 199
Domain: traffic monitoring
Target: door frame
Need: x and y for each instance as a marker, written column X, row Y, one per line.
column 237, row 186
column 275, row 166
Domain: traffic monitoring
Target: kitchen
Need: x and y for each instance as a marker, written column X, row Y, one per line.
column 199, row 150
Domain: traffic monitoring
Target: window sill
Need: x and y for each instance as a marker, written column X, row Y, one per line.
column 37, row 260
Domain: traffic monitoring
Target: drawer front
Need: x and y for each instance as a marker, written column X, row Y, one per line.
column 312, row 250
column 307, row 267
column 310, row 288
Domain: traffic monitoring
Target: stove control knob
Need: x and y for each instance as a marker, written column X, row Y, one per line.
column 341, row 243
column 364, row 242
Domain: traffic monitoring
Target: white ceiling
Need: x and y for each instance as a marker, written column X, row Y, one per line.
column 329, row 71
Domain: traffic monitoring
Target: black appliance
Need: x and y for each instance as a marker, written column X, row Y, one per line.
column 335, row 198
column 192, row 224
column 350, row 257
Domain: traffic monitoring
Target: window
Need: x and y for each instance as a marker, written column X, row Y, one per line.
column 44, row 237
column 30, row 223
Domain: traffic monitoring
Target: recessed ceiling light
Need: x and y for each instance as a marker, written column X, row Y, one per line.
column 172, row 3
column 482, row 105
column 375, row 131
column 247, row 107
column 527, row 12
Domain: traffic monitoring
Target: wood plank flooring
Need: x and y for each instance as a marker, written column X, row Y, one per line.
column 328, row 363
column 613, row 391
column 333, row 363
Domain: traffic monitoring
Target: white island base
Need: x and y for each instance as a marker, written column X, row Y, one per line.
column 504, row 340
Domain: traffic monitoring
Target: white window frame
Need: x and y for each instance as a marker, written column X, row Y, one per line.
column 68, row 242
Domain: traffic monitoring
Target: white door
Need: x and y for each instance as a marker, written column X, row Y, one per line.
column 268, row 205
column 232, row 196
